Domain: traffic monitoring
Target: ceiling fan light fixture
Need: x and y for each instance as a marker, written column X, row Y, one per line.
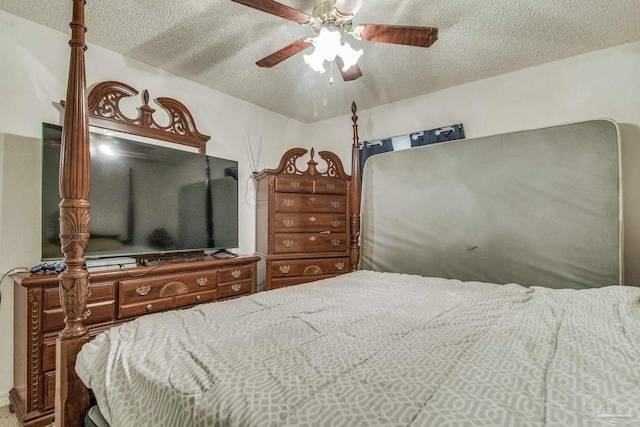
column 315, row 61
column 327, row 45
column 349, row 55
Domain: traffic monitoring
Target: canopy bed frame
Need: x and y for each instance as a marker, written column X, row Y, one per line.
column 101, row 108
column 72, row 396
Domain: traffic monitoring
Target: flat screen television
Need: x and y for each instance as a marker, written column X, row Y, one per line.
column 145, row 198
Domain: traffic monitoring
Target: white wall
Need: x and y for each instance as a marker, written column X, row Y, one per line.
column 19, row 216
column 33, row 77
column 603, row 84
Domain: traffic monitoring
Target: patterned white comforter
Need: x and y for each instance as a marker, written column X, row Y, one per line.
column 377, row 349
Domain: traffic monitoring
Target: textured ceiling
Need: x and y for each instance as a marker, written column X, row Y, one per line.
column 217, row 42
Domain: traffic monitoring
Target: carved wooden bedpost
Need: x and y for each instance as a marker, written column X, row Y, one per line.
column 72, row 398
column 355, row 192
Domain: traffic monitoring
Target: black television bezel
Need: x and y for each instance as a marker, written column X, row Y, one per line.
column 141, row 255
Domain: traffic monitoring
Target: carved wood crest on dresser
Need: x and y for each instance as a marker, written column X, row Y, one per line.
column 302, row 223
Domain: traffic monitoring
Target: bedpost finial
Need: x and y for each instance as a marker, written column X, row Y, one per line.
column 354, row 110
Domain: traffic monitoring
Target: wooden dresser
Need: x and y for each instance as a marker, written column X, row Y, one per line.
column 114, row 297
column 302, row 224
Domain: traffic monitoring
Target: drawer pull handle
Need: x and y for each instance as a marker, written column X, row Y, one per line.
column 335, row 223
column 312, row 218
column 285, row 268
column 331, row 186
column 198, row 298
column 236, row 287
column 335, row 205
column 287, row 202
column 143, row 290
column 89, row 293
column 313, row 199
column 335, row 242
column 312, row 238
column 340, row 265
column 287, row 222
column 202, row 281
column 287, row 243
column 86, row 314
column 149, row 307
column 236, row 273
column 295, row 184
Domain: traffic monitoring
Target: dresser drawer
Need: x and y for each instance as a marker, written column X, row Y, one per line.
column 49, row 349
column 196, row 298
column 310, row 242
column 309, row 267
column 234, row 274
column 135, row 309
column 49, row 355
column 295, row 184
column 309, row 222
column 317, row 203
column 136, row 291
column 101, row 291
column 49, row 390
column 330, row 186
column 53, row 320
column 283, row 282
column 234, row 289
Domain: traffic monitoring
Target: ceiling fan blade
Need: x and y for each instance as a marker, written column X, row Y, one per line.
column 275, row 8
column 284, row 53
column 348, row 7
column 351, row 74
column 396, row 34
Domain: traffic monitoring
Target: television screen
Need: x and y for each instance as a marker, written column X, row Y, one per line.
column 145, row 198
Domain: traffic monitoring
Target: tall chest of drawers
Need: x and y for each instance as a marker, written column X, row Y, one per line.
column 302, row 223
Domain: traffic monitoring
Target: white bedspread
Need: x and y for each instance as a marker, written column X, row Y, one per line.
column 377, row 349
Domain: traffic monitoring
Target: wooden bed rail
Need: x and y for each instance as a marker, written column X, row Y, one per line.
column 72, row 397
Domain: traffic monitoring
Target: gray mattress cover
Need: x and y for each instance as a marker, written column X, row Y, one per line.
column 539, row 207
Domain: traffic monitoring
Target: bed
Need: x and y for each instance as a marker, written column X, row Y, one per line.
column 397, row 349
column 376, row 349
column 380, row 348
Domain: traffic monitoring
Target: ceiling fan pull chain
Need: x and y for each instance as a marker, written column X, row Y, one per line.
column 331, row 78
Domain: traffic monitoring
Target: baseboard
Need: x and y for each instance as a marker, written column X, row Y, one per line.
column 4, row 399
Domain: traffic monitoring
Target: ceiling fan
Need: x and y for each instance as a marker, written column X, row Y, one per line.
column 332, row 19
